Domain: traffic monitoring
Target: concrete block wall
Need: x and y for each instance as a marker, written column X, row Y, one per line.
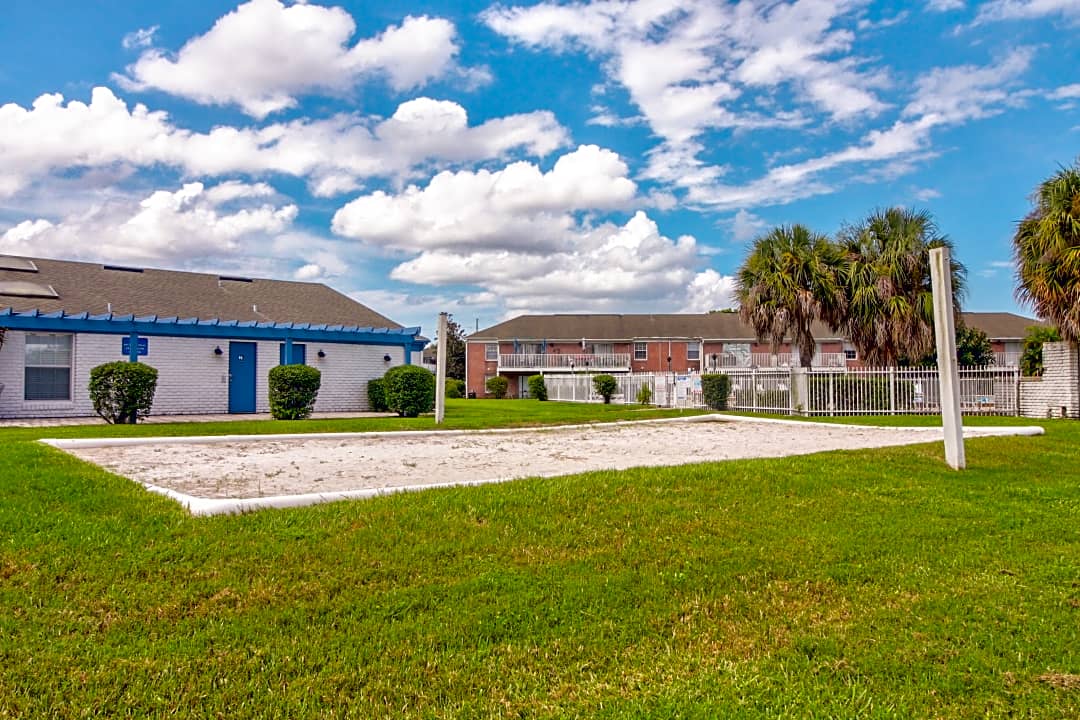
column 1058, row 388
column 191, row 378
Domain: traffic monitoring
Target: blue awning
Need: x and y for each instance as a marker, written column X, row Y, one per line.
column 113, row 324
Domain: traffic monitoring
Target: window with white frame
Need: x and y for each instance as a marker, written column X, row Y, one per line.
column 641, row 351
column 491, row 351
column 47, row 367
column 693, row 351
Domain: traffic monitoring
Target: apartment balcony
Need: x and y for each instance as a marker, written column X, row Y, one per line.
column 564, row 362
column 1007, row 359
column 720, row 361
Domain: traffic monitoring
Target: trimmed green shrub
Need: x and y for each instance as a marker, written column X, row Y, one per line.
column 376, row 395
column 537, row 387
column 121, row 390
column 293, row 389
column 715, row 390
column 455, row 388
column 497, row 386
column 409, row 390
column 605, row 386
column 644, row 395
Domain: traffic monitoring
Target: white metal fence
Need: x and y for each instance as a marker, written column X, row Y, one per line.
column 863, row 391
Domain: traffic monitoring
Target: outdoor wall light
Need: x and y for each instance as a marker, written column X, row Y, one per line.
column 386, row 358
column 322, row 353
column 218, row 350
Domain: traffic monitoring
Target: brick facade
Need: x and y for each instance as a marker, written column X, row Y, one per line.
column 191, row 378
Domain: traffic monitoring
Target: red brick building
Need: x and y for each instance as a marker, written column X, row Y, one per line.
column 535, row 344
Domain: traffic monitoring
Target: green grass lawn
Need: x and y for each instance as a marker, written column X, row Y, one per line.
column 845, row 584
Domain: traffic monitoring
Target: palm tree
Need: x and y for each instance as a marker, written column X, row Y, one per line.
column 788, row 282
column 886, row 280
column 1047, row 252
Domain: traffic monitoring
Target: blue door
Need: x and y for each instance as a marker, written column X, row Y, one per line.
column 241, row 377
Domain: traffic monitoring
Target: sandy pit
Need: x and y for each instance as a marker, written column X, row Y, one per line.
column 261, row 467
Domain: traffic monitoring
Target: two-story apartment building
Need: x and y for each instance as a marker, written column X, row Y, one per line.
column 532, row 344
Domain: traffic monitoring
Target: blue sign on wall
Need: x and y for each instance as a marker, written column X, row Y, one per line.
column 144, row 346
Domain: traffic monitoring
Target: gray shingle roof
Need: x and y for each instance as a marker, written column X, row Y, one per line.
column 93, row 288
column 709, row 326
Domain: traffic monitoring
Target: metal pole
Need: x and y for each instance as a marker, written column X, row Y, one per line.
column 948, row 374
column 440, row 372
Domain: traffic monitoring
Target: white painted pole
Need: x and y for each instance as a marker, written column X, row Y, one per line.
column 440, row 372
column 948, row 374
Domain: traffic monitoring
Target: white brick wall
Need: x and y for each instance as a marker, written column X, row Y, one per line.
column 1059, row 387
column 191, row 378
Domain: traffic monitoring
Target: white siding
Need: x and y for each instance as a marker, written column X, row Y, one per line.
column 191, row 378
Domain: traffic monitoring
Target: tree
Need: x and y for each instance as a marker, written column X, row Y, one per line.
column 1031, row 362
column 973, row 349
column 455, row 349
column 605, row 386
column 886, row 284
column 787, row 282
column 1046, row 247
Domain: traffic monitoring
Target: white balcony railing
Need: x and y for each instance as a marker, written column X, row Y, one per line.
column 1007, row 359
column 769, row 360
column 565, row 361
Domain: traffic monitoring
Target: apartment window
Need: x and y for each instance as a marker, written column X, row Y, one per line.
column 48, row 367
column 491, row 352
column 604, row 348
column 641, row 351
column 693, row 351
column 849, row 352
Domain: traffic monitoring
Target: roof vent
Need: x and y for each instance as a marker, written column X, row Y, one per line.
column 17, row 263
column 20, row 288
column 121, row 268
column 235, row 278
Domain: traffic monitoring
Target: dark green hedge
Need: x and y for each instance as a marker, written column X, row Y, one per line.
column 605, row 386
column 497, row 386
column 120, row 390
column 376, row 395
column 537, row 387
column 455, row 388
column 715, row 390
column 409, row 390
column 293, row 389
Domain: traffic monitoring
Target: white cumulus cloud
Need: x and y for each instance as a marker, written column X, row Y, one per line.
column 517, row 205
column 178, row 227
column 334, row 154
column 264, row 54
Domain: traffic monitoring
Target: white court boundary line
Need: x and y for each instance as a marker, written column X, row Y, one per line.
column 203, row 507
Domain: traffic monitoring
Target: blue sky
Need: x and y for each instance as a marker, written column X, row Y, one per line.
column 497, row 159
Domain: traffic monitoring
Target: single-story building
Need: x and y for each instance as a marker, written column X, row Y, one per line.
column 212, row 338
column 532, row 344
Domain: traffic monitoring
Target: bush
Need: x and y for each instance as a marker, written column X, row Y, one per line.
column 1031, row 362
column 715, row 390
column 644, row 395
column 497, row 386
column 121, row 390
column 376, row 395
column 455, row 388
column 293, row 389
column 409, row 390
column 605, row 386
column 537, row 387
